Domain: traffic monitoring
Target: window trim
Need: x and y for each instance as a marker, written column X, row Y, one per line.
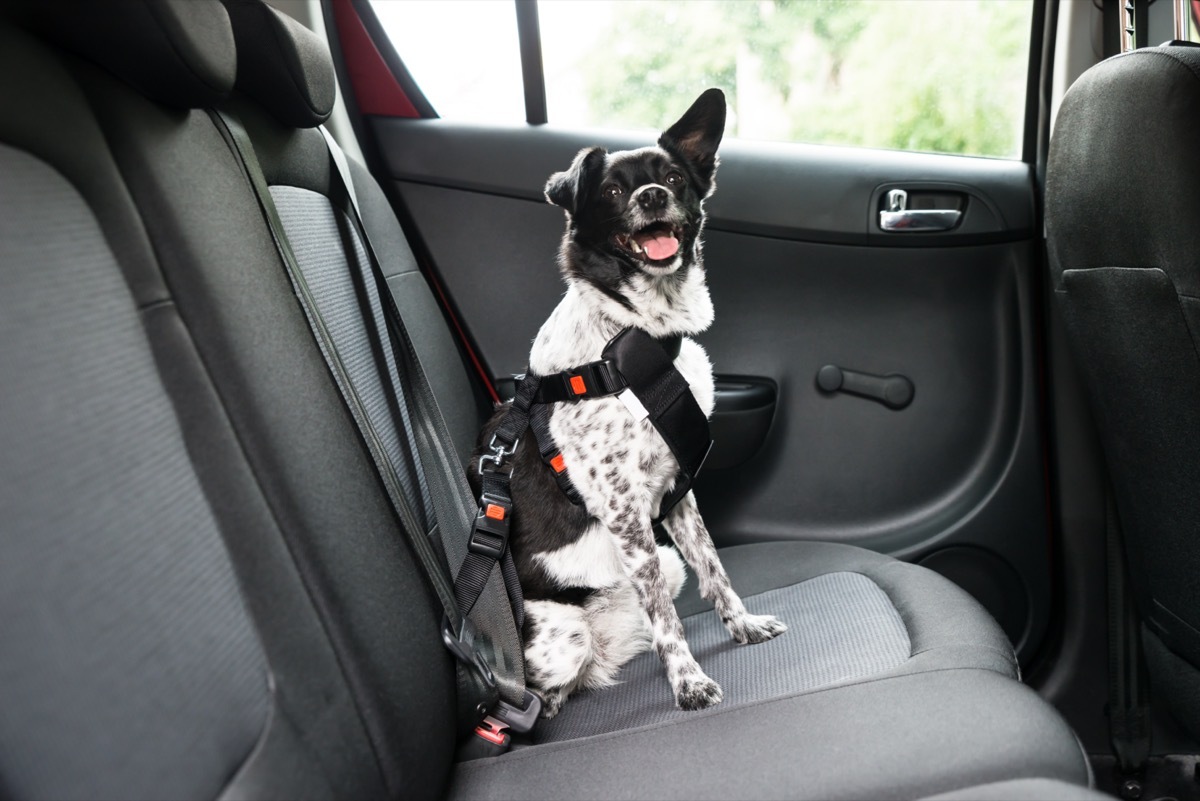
column 395, row 64
column 533, row 71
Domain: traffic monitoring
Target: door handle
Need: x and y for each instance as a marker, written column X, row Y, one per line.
column 893, row 391
column 898, row 218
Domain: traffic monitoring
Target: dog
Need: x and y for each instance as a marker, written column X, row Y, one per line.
column 598, row 589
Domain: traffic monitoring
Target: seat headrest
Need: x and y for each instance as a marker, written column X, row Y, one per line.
column 282, row 65
column 179, row 53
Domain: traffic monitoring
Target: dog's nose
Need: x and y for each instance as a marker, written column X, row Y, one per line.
column 652, row 198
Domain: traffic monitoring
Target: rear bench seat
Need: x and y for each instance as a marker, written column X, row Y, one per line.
column 203, row 587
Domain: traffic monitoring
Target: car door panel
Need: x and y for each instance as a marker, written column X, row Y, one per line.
column 802, row 276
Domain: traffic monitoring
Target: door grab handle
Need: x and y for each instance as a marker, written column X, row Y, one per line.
column 898, row 218
column 893, row 391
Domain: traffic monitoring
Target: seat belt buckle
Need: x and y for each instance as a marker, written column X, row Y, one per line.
column 493, row 732
column 492, row 735
column 490, row 740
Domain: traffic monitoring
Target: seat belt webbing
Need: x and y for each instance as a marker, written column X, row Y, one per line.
column 481, row 690
column 500, row 615
column 1128, row 686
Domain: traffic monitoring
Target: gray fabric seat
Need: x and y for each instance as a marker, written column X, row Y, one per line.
column 278, row 572
column 1023, row 790
column 853, row 615
column 958, row 671
column 1122, row 204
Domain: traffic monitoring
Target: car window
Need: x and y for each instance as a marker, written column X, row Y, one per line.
column 944, row 76
column 462, row 53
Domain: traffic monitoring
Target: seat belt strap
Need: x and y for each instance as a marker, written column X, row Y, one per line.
column 500, row 617
column 240, row 143
column 1128, row 685
column 477, row 686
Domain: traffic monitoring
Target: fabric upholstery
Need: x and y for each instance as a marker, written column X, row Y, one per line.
column 430, row 331
column 181, row 53
column 129, row 665
column 1023, row 790
column 841, row 627
column 301, row 445
column 946, row 626
column 282, row 65
column 876, row 739
column 316, row 740
column 317, row 730
column 1122, row 201
column 322, row 239
column 36, row 80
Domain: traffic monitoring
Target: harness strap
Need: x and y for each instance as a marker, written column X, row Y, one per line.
column 591, row 380
column 539, row 424
column 669, row 403
column 488, row 543
column 633, row 362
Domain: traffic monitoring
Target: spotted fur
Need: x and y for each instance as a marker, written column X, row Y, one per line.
column 598, row 589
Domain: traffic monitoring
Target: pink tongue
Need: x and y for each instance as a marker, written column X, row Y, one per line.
column 660, row 246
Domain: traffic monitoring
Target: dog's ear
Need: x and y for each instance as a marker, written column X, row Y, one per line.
column 569, row 187
column 698, row 133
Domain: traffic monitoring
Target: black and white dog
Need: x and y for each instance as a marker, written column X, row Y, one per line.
column 592, row 574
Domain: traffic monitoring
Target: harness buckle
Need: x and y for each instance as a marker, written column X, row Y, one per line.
column 489, row 535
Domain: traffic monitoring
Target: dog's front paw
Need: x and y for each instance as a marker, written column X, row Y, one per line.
column 697, row 692
column 756, row 628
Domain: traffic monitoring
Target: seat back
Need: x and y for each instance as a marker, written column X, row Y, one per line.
column 1123, row 228
column 205, row 591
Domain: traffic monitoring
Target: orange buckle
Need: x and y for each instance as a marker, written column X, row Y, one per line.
column 577, row 385
column 558, row 463
column 494, row 511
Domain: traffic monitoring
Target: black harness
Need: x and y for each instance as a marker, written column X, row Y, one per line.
column 633, row 362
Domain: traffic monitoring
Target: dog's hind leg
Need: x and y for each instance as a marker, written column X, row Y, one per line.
column 558, row 649
column 687, row 529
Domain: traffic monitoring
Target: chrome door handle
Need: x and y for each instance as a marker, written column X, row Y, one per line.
column 899, row 219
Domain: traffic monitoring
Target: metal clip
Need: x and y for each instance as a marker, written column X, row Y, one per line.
column 498, row 454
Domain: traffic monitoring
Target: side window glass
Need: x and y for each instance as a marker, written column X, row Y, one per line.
column 463, row 54
column 944, row 76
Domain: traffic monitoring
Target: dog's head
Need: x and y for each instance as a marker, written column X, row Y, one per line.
column 640, row 211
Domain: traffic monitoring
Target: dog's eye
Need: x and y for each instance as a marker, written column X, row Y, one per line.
column 674, row 179
column 612, row 190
